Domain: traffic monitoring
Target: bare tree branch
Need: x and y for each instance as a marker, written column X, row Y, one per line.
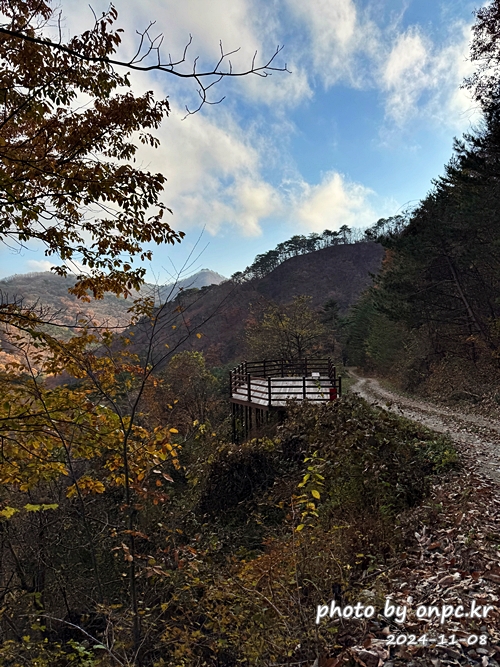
column 222, row 69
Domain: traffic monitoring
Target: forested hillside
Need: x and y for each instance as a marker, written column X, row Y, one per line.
column 49, row 294
column 336, row 274
column 50, row 291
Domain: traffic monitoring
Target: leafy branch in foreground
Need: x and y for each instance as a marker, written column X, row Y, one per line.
column 68, row 183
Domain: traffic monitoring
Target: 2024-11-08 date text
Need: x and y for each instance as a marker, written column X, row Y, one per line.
column 439, row 640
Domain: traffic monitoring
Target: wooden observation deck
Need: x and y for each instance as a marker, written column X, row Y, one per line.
column 259, row 387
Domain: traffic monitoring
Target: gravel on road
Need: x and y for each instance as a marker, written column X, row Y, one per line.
column 476, row 437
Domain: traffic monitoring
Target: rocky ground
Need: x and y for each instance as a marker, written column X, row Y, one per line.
column 452, row 561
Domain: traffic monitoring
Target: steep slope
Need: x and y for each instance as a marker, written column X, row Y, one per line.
column 220, row 312
column 338, row 272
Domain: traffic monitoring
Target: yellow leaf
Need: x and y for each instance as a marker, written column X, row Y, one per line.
column 315, row 494
column 300, row 527
column 32, row 508
column 199, row 335
column 8, row 512
column 173, row 430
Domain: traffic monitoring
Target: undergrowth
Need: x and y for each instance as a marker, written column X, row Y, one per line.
column 255, row 536
column 283, row 524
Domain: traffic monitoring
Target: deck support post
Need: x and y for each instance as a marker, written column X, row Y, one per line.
column 233, row 421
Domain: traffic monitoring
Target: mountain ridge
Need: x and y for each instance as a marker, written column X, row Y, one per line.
column 219, row 312
column 49, row 290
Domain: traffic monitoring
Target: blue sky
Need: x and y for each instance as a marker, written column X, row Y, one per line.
column 358, row 129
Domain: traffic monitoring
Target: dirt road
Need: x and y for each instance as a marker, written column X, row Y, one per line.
column 475, row 436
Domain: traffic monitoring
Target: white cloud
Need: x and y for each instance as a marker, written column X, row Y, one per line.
column 287, row 89
column 74, row 266
column 215, row 180
column 452, row 67
column 257, row 200
column 214, row 174
column 420, row 78
column 405, row 75
column 39, row 265
column 215, row 169
column 339, row 34
column 416, row 74
column 336, row 201
column 332, row 41
column 248, row 29
column 242, row 27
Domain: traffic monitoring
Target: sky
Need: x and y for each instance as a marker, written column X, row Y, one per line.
column 355, row 132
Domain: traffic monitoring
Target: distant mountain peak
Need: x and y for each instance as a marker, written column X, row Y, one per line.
column 202, row 278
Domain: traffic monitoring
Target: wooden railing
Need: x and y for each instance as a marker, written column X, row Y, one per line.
column 285, row 368
column 270, row 383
